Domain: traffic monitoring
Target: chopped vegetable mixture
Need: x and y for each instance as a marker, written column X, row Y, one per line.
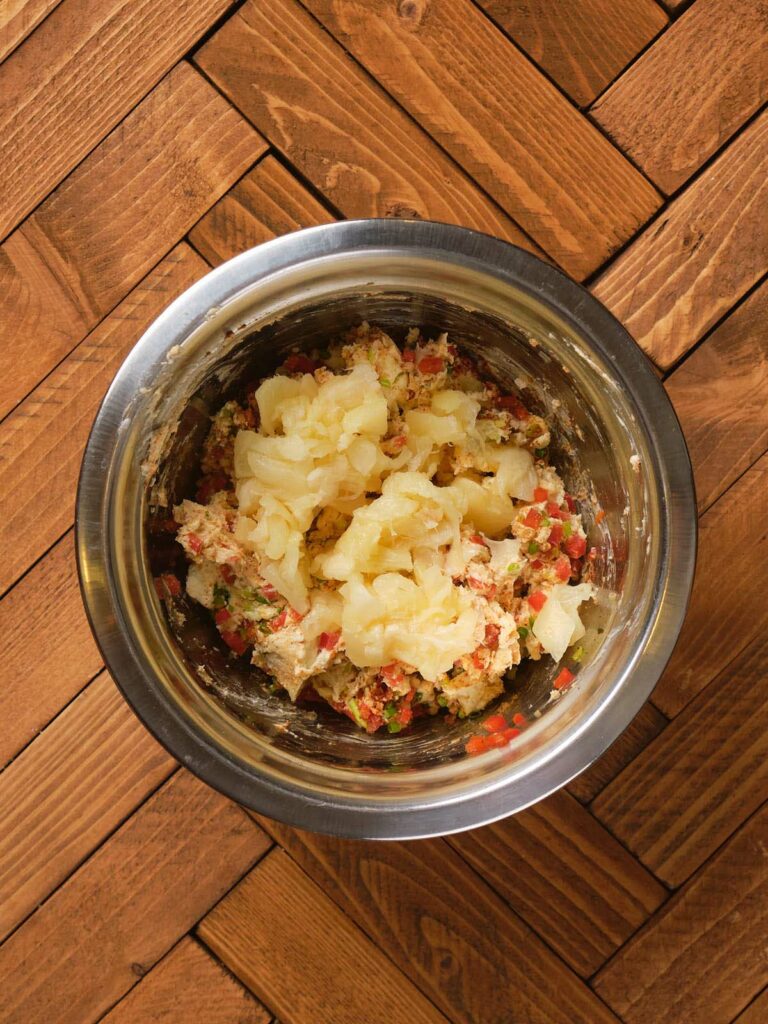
column 379, row 528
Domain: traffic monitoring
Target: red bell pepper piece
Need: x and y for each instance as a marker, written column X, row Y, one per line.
column 575, row 546
column 532, row 519
column 492, row 636
column 167, row 584
column 431, row 364
column 537, row 600
column 235, row 641
column 563, row 679
column 563, row 568
column 495, row 723
column 514, row 405
column 300, row 363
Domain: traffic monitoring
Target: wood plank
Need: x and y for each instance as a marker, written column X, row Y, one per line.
column 130, row 202
column 676, row 803
column 337, row 126
column 267, row 202
column 45, row 664
column 58, row 800
column 702, row 958
column 756, row 1012
column 691, row 91
column 127, row 905
column 581, row 44
column 76, row 78
column 728, row 609
column 445, row 928
column 544, row 163
column 41, row 442
column 720, row 394
column 646, row 725
column 188, row 984
column 573, row 883
column 695, row 262
column 287, row 941
column 18, row 18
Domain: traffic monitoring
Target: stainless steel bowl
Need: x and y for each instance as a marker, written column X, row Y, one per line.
column 618, row 442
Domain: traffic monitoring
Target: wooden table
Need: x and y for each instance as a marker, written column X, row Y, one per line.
column 144, row 141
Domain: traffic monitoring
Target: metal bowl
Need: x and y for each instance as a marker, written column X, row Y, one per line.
column 618, row 444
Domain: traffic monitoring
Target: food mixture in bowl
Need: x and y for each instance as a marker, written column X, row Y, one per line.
column 380, row 528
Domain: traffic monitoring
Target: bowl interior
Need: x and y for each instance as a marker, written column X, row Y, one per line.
column 599, row 442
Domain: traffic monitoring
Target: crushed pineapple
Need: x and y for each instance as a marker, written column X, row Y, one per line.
column 381, row 539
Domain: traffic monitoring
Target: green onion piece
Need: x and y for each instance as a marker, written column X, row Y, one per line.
column 578, row 654
column 385, row 383
column 418, row 697
column 394, row 726
column 567, row 530
column 545, row 521
column 352, row 705
column 513, row 567
column 442, row 701
column 522, row 632
column 540, row 453
column 390, row 710
column 533, row 547
column 220, row 596
column 253, row 595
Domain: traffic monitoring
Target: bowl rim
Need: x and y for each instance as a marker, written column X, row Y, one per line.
column 291, row 803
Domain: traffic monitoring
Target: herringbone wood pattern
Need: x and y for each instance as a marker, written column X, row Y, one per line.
column 144, row 141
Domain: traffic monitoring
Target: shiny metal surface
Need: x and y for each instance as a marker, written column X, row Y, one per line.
column 620, row 443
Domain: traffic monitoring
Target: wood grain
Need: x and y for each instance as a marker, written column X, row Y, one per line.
column 287, row 941
column 646, row 725
column 676, row 803
column 756, row 1012
column 570, row 880
column 720, row 394
column 188, row 985
column 269, row 201
column 127, row 905
column 18, row 18
column 48, row 651
column 501, row 120
column 581, row 44
column 702, row 958
column 704, row 252
column 337, row 126
column 445, row 928
column 76, row 78
column 112, row 220
column 691, row 90
column 728, row 608
column 42, row 441
column 99, row 764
